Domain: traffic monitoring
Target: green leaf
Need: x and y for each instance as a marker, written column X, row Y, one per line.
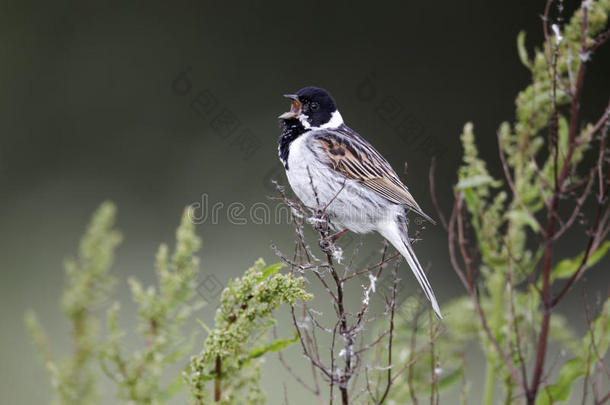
column 204, row 326
column 561, row 390
column 474, row 181
column 472, row 199
column 275, row 346
column 270, row 271
column 578, row 366
column 567, row 267
column 522, row 51
column 522, row 217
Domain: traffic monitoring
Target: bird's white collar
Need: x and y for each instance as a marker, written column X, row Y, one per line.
column 336, row 120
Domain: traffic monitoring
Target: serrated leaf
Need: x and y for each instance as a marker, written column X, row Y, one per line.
column 578, row 366
column 270, row 271
column 275, row 346
column 560, row 391
column 567, row 267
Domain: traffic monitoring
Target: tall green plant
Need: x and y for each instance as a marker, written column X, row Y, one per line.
column 232, row 352
column 88, row 284
column 503, row 232
column 162, row 312
column 228, row 360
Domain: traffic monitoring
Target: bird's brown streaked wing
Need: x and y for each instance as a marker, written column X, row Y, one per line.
column 357, row 159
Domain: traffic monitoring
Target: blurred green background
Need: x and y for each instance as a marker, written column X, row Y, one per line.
column 93, row 107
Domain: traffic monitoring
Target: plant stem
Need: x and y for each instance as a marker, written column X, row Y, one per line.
column 343, row 330
column 217, row 386
column 552, row 219
column 490, row 378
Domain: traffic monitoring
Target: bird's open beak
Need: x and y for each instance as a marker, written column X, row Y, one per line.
column 295, row 107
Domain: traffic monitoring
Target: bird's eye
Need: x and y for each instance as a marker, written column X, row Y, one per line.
column 314, row 106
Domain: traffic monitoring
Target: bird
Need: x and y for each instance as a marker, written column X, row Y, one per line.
column 330, row 165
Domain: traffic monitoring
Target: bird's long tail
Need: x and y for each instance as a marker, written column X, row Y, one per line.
column 400, row 240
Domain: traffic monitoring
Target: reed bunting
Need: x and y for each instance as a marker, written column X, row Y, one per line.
column 330, row 166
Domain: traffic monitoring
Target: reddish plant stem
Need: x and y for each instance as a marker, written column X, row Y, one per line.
column 546, row 306
column 552, row 213
column 217, row 382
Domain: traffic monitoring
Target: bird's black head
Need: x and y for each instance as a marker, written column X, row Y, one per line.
column 314, row 107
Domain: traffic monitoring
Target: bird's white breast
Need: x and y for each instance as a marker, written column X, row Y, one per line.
column 351, row 205
column 305, row 169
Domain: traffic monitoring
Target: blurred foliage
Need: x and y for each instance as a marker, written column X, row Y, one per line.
column 88, row 284
column 238, row 339
column 228, row 357
column 507, row 239
column 161, row 315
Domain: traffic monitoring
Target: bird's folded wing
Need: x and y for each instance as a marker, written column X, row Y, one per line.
column 356, row 159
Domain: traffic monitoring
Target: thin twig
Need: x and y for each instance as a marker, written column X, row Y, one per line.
column 432, row 182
